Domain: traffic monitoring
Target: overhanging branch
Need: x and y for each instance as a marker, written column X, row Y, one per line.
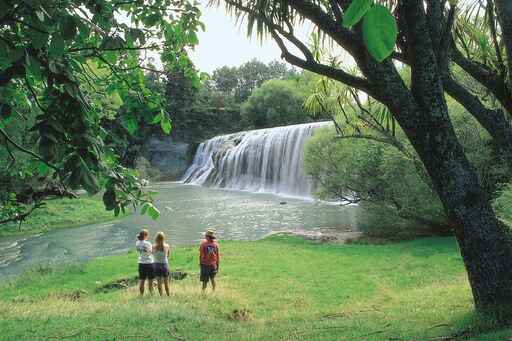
column 26, row 151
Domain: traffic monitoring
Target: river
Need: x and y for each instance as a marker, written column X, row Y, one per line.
column 186, row 211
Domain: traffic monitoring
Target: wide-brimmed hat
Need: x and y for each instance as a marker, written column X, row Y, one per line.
column 210, row 233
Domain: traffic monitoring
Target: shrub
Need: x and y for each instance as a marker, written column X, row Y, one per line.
column 146, row 171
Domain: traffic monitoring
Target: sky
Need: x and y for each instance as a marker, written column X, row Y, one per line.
column 224, row 42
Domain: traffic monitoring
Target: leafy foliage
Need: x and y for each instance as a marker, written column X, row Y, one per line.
column 241, row 81
column 67, row 66
column 358, row 165
column 362, row 170
column 276, row 102
column 503, row 204
column 379, row 32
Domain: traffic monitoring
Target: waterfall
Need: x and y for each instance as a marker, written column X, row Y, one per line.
column 264, row 160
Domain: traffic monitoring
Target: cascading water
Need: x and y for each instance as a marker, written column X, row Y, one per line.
column 264, row 160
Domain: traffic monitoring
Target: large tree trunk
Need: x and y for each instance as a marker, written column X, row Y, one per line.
column 423, row 114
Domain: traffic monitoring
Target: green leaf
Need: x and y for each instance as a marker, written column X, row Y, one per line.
column 355, row 12
column 157, row 118
column 38, row 39
column 166, row 125
column 33, row 67
column 110, row 56
column 43, row 169
column 56, row 46
column 379, row 32
column 89, row 181
column 69, row 27
column 152, row 211
column 144, row 208
column 109, row 199
column 130, row 123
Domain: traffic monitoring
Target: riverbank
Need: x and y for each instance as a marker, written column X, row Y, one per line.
column 281, row 287
column 61, row 213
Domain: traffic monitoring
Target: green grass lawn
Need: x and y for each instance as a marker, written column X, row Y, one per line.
column 60, row 213
column 285, row 287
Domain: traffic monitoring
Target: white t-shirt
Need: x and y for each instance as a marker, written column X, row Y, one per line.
column 145, row 250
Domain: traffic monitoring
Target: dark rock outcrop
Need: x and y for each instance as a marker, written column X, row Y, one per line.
column 170, row 157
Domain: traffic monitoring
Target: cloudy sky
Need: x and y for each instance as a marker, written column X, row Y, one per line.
column 226, row 43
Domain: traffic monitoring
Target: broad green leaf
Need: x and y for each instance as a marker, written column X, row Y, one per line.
column 130, row 123
column 43, row 168
column 166, row 125
column 144, row 208
column 355, row 12
column 56, row 46
column 152, row 211
column 157, row 118
column 38, row 39
column 379, row 32
column 110, row 56
column 33, row 67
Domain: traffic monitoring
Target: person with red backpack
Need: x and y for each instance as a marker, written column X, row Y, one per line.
column 209, row 257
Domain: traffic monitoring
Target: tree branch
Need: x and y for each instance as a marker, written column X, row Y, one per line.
column 21, row 217
column 26, row 151
column 485, row 76
column 494, row 121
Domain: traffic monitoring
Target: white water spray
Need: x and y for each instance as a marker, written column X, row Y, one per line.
column 264, row 160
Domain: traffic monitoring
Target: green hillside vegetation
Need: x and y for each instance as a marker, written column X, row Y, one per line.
column 61, row 213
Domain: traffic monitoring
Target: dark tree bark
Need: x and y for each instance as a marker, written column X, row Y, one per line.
column 422, row 113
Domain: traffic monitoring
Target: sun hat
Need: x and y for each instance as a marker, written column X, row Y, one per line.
column 210, row 233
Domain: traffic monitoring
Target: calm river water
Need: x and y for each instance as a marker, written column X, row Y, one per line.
column 186, row 211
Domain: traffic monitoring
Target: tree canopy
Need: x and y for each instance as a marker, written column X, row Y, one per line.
column 66, row 67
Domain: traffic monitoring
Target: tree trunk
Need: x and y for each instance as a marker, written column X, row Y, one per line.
column 485, row 248
column 423, row 115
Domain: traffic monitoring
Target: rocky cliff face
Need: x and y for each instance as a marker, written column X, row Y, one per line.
column 170, row 157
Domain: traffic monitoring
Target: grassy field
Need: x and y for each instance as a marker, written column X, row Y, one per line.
column 60, row 213
column 279, row 288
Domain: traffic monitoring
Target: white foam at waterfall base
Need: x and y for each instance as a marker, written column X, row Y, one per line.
column 264, row 160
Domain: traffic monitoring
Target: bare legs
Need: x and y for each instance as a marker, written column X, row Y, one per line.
column 165, row 282
column 205, row 284
column 142, row 285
